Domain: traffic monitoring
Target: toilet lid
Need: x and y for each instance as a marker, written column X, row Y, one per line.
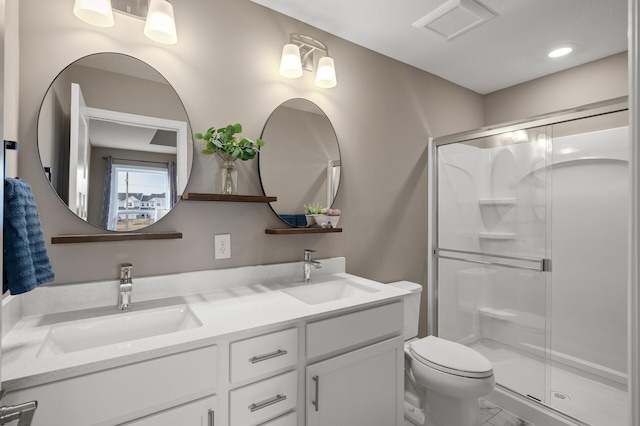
column 451, row 357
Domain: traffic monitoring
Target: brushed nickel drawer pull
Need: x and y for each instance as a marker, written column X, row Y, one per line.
column 212, row 418
column 316, row 403
column 260, row 405
column 260, row 358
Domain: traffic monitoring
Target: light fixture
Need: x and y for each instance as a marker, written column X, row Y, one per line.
column 290, row 65
column 94, row 12
column 160, row 25
column 298, row 55
column 560, row 51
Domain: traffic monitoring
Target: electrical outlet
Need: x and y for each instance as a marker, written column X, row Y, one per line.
column 222, row 246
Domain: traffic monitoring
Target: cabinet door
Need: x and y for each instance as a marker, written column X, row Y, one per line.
column 363, row 387
column 195, row 413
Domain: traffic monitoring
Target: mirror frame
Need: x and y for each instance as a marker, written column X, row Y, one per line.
column 260, row 156
column 184, row 152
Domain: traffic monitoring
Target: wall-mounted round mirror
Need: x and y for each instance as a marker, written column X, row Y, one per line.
column 115, row 141
column 301, row 162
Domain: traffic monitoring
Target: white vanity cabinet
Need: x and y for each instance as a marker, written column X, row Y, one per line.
column 132, row 391
column 363, row 386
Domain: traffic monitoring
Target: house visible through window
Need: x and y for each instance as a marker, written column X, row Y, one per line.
column 140, row 195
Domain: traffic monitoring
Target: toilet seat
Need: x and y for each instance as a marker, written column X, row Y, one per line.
column 450, row 357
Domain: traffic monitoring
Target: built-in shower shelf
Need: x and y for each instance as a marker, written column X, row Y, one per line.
column 497, row 235
column 497, row 201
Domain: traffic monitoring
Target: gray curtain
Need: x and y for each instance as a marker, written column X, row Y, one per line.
column 173, row 184
column 106, row 193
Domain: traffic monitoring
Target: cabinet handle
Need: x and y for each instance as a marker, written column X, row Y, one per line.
column 265, row 357
column 316, row 403
column 212, row 420
column 260, row 405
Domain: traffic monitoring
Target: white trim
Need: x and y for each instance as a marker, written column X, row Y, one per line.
column 634, row 222
column 180, row 127
column 432, row 309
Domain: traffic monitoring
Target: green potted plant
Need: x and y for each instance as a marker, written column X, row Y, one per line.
column 310, row 210
column 229, row 145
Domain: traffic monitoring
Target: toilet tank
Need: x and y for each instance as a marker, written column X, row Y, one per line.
column 411, row 307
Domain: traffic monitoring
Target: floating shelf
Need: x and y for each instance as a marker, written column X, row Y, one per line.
column 497, row 235
column 497, row 201
column 296, row 231
column 124, row 236
column 195, row 196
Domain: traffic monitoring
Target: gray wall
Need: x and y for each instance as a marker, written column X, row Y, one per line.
column 596, row 81
column 383, row 113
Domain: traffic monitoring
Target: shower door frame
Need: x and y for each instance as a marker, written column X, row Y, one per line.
column 586, row 111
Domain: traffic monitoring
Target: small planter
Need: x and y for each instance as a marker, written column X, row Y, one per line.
column 311, row 220
column 326, row 221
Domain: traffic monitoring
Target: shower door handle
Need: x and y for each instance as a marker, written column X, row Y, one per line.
column 543, row 265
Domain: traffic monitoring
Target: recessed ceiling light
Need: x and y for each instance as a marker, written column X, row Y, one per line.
column 560, row 51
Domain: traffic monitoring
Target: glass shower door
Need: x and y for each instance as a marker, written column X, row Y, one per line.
column 492, row 250
column 588, row 334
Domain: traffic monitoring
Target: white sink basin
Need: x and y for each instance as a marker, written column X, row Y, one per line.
column 313, row 294
column 117, row 328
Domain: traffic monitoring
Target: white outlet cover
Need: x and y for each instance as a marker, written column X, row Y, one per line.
column 222, row 246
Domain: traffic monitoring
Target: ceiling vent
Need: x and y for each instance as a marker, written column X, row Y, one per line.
column 455, row 17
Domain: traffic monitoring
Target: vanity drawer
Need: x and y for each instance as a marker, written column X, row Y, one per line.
column 354, row 329
column 263, row 400
column 263, row 354
column 286, row 420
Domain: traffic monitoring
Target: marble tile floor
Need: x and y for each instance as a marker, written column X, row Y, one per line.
column 492, row 415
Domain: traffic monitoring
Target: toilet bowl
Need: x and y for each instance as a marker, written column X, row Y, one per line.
column 446, row 377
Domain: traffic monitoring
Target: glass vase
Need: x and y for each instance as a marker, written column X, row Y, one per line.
column 229, row 176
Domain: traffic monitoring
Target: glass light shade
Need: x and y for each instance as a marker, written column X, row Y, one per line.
column 326, row 74
column 94, row 12
column 161, row 25
column 290, row 64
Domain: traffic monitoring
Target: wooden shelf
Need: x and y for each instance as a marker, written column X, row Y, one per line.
column 296, row 231
column 124, row 236
column 195, row 196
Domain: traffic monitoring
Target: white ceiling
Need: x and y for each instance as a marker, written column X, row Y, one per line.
column 506, row 50
column 109, row 134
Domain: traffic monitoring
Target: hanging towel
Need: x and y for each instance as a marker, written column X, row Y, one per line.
column 26, row 263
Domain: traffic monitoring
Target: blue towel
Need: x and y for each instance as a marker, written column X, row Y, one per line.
column 294, row 219
column 26, row 263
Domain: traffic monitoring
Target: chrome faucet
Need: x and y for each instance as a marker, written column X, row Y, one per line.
column 126, row 287
column 306, row 268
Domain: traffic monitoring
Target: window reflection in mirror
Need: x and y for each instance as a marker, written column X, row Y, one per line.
column 104, row 114
column 301, row 161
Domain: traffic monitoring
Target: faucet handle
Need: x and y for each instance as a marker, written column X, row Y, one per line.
column 125, row 270
column 309, row 251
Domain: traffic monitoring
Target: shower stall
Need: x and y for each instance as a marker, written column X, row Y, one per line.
column 529, row 260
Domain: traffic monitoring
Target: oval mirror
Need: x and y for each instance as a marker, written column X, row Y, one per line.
column 301, row 162
column 114, row 141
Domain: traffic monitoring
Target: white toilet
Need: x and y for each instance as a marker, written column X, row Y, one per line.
column 443, row 379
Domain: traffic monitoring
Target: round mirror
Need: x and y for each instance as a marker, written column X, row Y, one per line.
column 115, row 141
column 301, row 162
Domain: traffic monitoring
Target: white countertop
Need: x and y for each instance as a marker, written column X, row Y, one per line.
column 222, row 313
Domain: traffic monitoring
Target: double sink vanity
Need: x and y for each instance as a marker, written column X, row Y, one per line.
column 242, row 346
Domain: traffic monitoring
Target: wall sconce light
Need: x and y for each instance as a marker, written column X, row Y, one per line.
column 298, row 55
column 160, row 22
